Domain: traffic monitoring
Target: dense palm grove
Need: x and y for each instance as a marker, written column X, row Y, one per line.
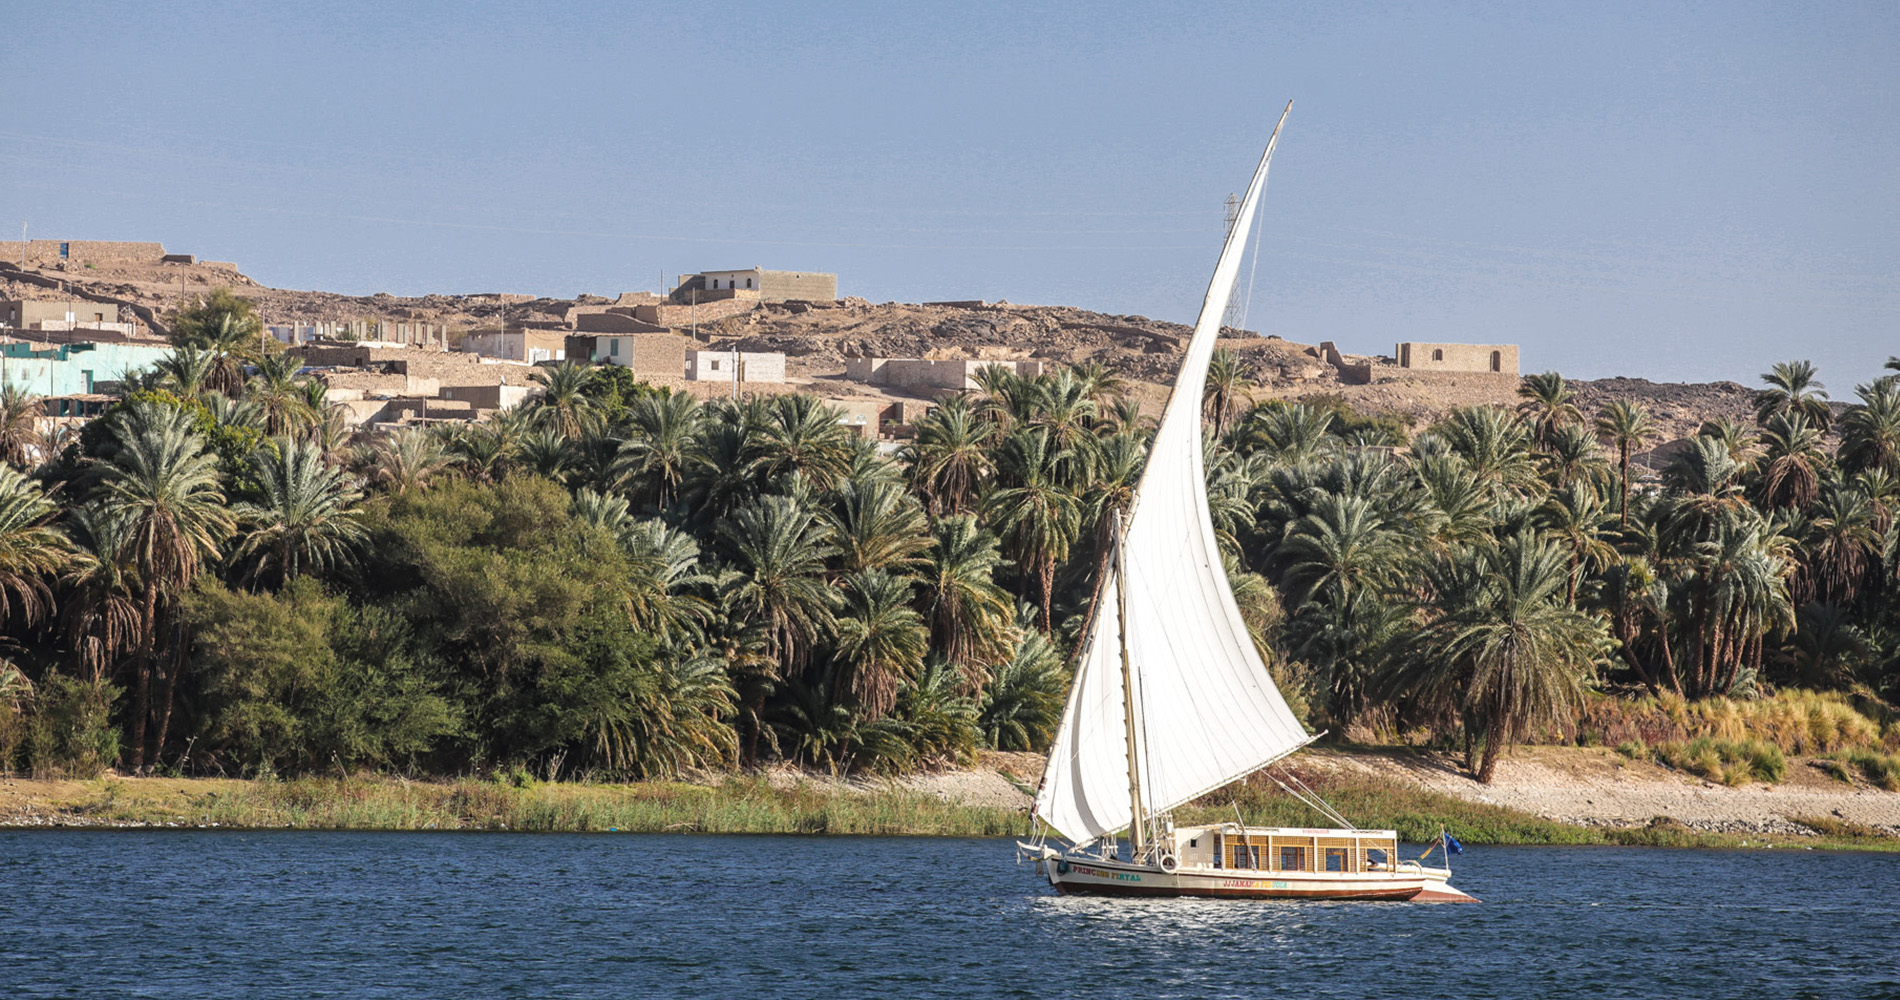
column 218, row 577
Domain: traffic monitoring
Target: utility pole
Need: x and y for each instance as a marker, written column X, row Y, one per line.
column 22, row 244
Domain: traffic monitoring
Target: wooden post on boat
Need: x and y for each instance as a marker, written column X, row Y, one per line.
column 1136, row 839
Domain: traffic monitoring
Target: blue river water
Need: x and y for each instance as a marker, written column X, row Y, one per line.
column 410, row 915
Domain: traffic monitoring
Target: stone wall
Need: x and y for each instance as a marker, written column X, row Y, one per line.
column 1499, row 358
column 378, row 384
column 681, row 317
column 488, row 397
column 779, row 286
column 617, row 320
column 84, row 252
column 924, row 373
column 1351, row 373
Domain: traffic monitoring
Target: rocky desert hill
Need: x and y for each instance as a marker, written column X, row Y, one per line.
column 817, row 337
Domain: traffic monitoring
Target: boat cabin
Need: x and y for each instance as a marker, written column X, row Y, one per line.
column 1285, row 849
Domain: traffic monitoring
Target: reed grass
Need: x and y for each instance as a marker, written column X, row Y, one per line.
column 1803, row 723
column 750, row 804
column 736, row 805
column 1730, row 762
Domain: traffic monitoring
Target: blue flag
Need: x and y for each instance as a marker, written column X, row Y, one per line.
column 1452, row 846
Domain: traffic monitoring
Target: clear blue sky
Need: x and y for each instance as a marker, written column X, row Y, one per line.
column 1672, row 191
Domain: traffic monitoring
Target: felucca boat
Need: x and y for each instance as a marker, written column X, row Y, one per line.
column 1171, row 700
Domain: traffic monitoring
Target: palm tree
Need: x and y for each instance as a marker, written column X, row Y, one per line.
column 1037, row 518
column 1064, row 408
column 881, row 641
column 102, row 613
column 1505, row 649
column 186, row 371
column 801, row 434
column 1736, row 438
column 165, row 483
column 1792, row 388
column 778, row 550
column 20, row 412
column 227, row 327
column 280, row 398
column 1870, row 431
column 308, row 520
column 878, row 525
column 969, row 614
column 1340, row 549
column 1548, row 404
column 1286, row 431
column 32, row 553
column 1843, row 544
column 947, row 457
column 1100, row 383
column 565, row 403
column 1022, row 703
column 1625, row 426
column 1494, row 443
column 659, row 452
column 1227, row 385
column 1792, row 475
column 1571, row 456
column 724, row 468
column 544, row 452
column 1575, row 518
column 403, row 459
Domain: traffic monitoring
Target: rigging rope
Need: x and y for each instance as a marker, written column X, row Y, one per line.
column 1311, row 798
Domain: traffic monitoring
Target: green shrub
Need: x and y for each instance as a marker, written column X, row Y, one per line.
column 69, row 731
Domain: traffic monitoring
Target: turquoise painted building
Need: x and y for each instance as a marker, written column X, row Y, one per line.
column 72, row 369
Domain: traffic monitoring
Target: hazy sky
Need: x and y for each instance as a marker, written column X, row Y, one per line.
column 1671, row 191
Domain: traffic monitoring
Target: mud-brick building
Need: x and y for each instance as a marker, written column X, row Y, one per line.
column 771, row 286
column 1499, row 358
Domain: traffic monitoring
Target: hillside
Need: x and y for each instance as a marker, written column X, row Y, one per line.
column 818, row 336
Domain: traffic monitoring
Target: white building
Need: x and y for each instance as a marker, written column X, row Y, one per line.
column 740, row 366
column 518, row 345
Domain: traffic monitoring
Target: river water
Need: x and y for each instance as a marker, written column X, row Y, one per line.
column 412, row 915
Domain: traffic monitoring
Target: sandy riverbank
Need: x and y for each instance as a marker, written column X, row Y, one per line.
column 1581, row 789
column 1582, row 786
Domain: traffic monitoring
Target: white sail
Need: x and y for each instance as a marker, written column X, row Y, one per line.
column 1207, row 712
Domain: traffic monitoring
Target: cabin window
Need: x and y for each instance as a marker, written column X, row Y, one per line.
column 1335, row 859
column 1247, row 856
column 1375, row 856
column 1193, row 842
column 1292, row 859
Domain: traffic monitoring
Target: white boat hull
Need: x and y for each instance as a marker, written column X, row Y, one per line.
column 1071, row 874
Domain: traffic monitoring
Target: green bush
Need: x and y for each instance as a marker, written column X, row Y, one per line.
column 299, row 680
column 69, row 730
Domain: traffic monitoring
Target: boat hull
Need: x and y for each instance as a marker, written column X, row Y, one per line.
column 1115, row 878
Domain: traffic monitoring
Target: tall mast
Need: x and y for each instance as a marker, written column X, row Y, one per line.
column 1135, row 824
